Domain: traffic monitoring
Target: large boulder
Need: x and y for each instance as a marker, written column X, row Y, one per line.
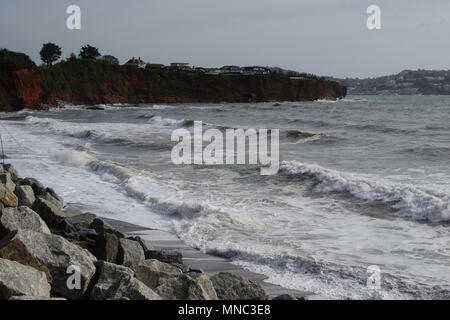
column 101, row 226
column 232, row 287
column 117, row 283
column 7, row 196
column 174, row 257
column 20, row 280
column 83, row 220
column 130, row 253
column 50, row 195
column 185, row 287
column 106, row 247
column 50, row 213
column 12, row 219
column 53, row 255
column 37, row 187
column 25, row 194
column 151, row 271
column 12, row 171
column 5, row 178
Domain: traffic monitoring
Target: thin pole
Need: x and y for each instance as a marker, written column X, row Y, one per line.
column 3, row 150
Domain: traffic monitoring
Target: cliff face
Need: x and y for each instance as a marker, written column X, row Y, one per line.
column 92, row 82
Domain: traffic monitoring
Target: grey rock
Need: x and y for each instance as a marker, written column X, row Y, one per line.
column 83, row 220
column 51, row 254
column 101, row 226
column 151, row 271
column 20, row 280
column 25, row 194
column 164, row 256
column 5, row 178
column 142, row 242
column 12, row 171
column 53, row 198
column 130, row 253
column 37, row 187
column 12, row 219
column 117, row 283
column 106, row 247
column 50, row 213
column 232, row 287
column 185, row 287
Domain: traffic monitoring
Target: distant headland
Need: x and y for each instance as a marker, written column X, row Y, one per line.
column 90, row 78
column 407, row 82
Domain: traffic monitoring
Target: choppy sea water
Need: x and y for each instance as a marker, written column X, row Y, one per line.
column 370, row 185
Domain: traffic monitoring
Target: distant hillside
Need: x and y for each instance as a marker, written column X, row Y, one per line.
column 24, row 85
column 407, row 82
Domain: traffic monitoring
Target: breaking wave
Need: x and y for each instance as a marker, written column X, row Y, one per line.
column 407, row 200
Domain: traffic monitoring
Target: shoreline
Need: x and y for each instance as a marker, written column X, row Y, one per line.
column 50, row 250
column 210, row 264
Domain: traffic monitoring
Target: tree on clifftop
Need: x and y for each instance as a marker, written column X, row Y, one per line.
column 89, row 52
column 50, row 52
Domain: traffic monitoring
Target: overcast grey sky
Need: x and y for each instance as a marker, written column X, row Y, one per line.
column 325, row 37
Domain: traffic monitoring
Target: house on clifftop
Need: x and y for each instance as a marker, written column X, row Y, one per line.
column 136, row 63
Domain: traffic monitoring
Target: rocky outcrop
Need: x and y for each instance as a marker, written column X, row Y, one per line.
column 48, row 211
column 82, row 257
column 25, row 195
column 130, row 253
column 185, row 287
column 151, row 271
column 53, row 255
column 19, row 280
column 118, row 283
column 232, row 287
column 21, row 218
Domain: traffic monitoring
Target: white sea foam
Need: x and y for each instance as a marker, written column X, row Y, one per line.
column 408, row 200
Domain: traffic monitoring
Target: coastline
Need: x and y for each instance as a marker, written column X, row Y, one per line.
column 210, row 264
column 49, row 250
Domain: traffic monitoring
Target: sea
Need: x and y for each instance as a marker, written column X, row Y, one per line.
column 363, row 184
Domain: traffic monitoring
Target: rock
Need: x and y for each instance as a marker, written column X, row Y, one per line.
column 151, row 271
column 12, row 171
column 164, row 256
column 285, row 297
column 117, row 283
column 53, row 198
column 185, row 287
column 51, row 254
column 83, row 220
column 50, row 213
column 20, row 280
column 12, row 219
column 142, row 242
column 232, row 287
column 101, row 226
column 130, row 253
column 25, row 195
column 34, row 298
column 5, row 178
column 7, row 197
column 106, row 247
column 37, row 187
column 183, row 268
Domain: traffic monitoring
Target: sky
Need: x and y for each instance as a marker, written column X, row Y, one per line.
column 324, row 37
